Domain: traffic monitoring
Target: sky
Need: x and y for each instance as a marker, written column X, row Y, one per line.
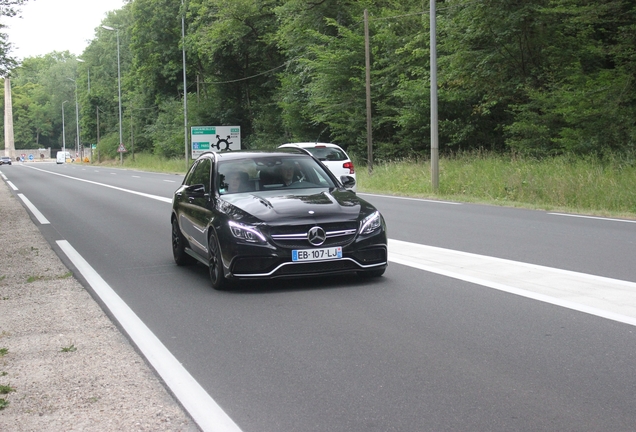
column 56, row 25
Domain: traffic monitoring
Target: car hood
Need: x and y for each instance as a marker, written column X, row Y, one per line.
column 281, row 207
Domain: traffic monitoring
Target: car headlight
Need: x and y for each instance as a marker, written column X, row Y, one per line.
column 371, row 223
column 246, row 232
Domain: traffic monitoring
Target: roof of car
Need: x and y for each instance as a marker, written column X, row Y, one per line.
column 242, row 154
column 312, row 144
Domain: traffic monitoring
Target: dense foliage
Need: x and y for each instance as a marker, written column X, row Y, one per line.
column 544, row 77
column 8, row 8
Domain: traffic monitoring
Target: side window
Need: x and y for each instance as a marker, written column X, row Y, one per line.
column 188, row 178
column 201, row 174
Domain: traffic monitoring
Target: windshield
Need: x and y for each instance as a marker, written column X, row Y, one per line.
column 327, row 153
column 271, row 173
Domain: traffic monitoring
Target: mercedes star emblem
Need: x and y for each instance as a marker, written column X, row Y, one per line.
column 316, row 236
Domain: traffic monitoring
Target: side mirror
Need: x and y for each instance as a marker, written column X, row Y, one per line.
column 347, row 181
column 195, row 191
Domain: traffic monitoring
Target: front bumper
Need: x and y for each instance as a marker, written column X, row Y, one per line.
column 268, row 262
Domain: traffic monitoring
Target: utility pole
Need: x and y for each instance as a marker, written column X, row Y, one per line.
column 367, row 57
column 185, row 88
column 434, row 117
column 97, row 110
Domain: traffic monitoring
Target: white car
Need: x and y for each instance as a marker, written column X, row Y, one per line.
column 331, row 155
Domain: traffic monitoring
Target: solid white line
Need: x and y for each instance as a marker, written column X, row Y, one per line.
column 39, row 216
column 202, row 408
column 593, row 217
column 605, row 297
column 411, row 199
column 156, row 197
column 4, row 177
column 14, row 187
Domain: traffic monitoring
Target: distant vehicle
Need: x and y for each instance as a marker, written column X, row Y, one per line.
column 263, row 215
column 59, row 157
column 5, row 160
column 331, row 155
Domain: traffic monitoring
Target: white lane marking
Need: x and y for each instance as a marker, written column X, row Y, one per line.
column 411, row 199
column 39, row 216
column 593, row 217
column 201, row 407
column 136, row 176
column 169, row 181
column 156, row 197
column 609, row 298
column 12, row 186
column 4, row 177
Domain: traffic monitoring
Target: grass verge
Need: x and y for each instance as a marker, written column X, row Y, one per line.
column 585, row 185
column 574, row 184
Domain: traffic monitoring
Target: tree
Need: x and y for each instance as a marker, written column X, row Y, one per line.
column 8, row 8
column 39, row 86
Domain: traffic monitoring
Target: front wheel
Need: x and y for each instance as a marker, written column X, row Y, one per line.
column 215, row 264
column 178, row 246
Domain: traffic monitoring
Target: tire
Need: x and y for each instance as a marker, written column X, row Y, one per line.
column 178, row 246
column 372, row 273
column 215, row 265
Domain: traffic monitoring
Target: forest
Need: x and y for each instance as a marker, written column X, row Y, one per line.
column 540, row 78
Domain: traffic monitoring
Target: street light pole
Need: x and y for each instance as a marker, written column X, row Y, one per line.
column 121, row 139
column 76, row 119
column 88, row 72
column 63, row 133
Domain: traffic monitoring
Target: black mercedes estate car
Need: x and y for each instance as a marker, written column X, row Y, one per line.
column 263, row 215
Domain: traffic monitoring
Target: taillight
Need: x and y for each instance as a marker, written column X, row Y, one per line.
column 349, row 166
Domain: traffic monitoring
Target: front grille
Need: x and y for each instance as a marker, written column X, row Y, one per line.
column 317, row 267
column 295, row 236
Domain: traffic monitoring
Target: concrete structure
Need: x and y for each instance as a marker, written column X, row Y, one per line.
column 9, row 143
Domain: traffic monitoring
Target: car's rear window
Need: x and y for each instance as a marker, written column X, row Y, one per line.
column 328, row 153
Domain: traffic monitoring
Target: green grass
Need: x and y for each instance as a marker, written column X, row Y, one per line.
column 6, row 389
column 149, row 162
column 576, row 184
column 32, row 279
column 70, row 348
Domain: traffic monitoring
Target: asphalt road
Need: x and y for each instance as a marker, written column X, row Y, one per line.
column 412, row 351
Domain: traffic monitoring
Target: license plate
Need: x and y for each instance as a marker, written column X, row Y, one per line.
column 317, row 254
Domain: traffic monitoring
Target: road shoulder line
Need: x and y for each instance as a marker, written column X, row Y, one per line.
column 202, row 408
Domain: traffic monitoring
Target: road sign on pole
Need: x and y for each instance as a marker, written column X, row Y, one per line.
column 214, row 138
